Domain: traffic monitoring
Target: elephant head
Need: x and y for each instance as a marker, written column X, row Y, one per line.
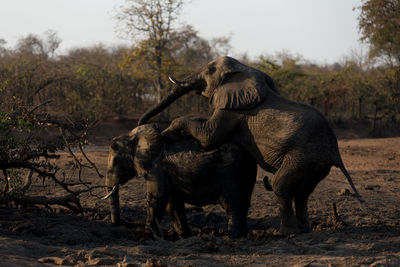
column 228, row 84
column 130, row 156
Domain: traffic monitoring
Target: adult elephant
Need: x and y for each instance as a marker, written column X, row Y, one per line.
column 290, row 139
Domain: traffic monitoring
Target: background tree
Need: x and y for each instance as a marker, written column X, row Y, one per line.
column 379, row 24
column 151, row 24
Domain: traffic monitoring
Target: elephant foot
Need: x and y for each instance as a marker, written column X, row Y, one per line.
column 304, row 228
column 236, row 234
column 122, row 222
column 288, row 230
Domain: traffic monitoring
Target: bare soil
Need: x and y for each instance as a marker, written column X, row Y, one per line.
column 367, row 235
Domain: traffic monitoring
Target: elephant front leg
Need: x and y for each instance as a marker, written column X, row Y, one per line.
column 237, row 225
column 155, row 211
column 176, row 211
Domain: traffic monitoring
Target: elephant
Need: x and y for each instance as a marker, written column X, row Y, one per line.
column 292, row 140
column 178, row 172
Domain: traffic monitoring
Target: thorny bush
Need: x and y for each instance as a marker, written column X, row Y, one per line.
column 29, row 143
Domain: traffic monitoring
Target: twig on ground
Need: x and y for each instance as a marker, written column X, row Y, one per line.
column 335, row 213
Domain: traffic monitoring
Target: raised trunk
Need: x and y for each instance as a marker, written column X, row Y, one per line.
column 171, row 97
column 114, row 208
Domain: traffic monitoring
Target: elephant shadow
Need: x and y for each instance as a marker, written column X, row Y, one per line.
column 202, row 222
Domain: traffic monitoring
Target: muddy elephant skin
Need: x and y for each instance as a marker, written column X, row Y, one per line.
column 179, row 172
column 292, row 140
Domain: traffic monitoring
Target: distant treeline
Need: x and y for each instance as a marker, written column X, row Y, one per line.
column 99, row 82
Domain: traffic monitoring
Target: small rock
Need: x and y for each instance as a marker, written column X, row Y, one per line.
column 70, row 259
column 372, row 187
column 54, row 260
column 100, row 261
column 128, row 262
column 154, row 263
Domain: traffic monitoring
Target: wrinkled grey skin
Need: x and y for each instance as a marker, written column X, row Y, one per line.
column 290, row 139
column 181, row 172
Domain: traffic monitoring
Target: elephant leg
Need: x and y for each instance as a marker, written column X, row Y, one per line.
column 176, row 211
column 301, row 198
column 236, row 207
column 237, row 225
column 300, row 201
column 155, row 211
column 240, row 208
column 284, row 184
column 288, row 223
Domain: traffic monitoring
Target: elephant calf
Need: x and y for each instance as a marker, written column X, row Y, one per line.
column 179, row 172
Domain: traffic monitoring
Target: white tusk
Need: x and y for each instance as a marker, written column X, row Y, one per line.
column 115, row 187
column 174, row 81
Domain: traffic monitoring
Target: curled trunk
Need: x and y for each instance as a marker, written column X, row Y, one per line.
column 171, row 97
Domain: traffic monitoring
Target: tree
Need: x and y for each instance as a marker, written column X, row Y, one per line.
column 151, row 24
column 379, row 24
column 40, row 46
column 28, row 145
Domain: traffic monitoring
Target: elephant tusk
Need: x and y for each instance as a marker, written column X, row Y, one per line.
column 115, row 187
column 174, row 81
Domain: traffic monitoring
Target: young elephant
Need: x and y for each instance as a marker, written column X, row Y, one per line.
column 179, row 172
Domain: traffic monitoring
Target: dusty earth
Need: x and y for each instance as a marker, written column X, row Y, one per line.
column 367, row 235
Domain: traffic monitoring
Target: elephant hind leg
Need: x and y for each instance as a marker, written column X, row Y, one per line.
column 288, row 223
column 303, row 223
column 284, row 184
column 301, row 199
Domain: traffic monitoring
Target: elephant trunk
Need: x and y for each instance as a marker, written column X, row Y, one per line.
column 114, row 208
column 168, row 100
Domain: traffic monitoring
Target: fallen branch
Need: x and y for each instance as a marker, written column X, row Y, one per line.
column 69, row 201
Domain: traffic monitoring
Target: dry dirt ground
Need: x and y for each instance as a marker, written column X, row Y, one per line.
column 367, row 235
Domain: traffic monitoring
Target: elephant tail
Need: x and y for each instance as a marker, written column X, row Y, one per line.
column 340, row 165
column 267, row 185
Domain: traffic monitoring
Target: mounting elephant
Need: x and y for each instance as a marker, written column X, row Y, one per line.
column 180, row 172
column 290, row 139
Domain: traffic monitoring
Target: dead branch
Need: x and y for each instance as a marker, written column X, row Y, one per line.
column 22, row 155
column 70, row 150
column 335, row 213
column 38, row 106
column 69, row 201
column 90, row 162
column 27, row 183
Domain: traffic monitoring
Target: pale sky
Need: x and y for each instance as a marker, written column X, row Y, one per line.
column 323, row 31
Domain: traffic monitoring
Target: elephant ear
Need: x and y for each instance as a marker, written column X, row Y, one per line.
column 240, row 91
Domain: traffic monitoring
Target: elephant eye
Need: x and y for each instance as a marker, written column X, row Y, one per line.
column 211, row 70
